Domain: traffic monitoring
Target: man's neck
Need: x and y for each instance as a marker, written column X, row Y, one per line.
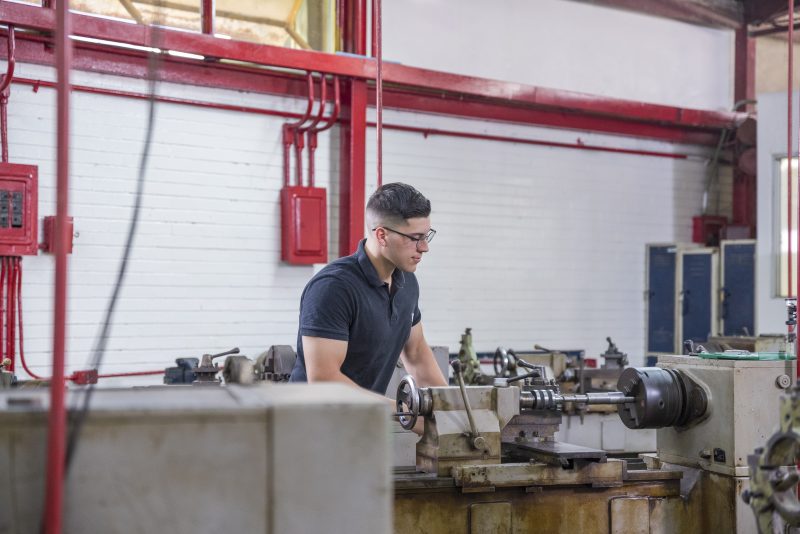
column 383, row 267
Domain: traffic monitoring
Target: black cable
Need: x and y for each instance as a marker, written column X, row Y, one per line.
column 99, row 347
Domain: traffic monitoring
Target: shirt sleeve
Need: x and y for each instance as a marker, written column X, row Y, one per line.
column 417, row 315
column 326, row 310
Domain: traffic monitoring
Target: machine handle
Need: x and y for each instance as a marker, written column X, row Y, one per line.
column 477, row 441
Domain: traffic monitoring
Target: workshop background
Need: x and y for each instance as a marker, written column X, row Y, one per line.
column 535, row 244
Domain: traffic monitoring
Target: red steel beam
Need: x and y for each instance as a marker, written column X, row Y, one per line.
column 33, row 17
column 57, row 423
column 691, row 11
column 132, row 63
column 353, row 136
column 207, row 16
column 495, row 111
column 744, row 185
column 352, row 166
column 422, row 80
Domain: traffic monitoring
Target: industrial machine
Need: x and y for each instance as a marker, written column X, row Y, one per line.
column 774, row 476
column 591, row 425
column 488, row 460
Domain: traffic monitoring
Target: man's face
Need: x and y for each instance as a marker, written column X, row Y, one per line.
column 403, row 251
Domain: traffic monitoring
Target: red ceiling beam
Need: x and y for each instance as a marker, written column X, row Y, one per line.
column 761, row 11
column 716, row 13
column 434, row 91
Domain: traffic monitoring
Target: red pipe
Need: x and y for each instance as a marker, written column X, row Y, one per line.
column 332, row 120
column 208, row 17
column 789, row 153
column 3, row 308
column 132, row 373
column 12, row 60
column 312, row 134
column 21, row 336
column 378, row 52
column 300, row 133
column 311, row 130
column 361, row 27
column 292, row 136
column 5, row 85
column 11, row 298
column 579, row 146
column 56, row 442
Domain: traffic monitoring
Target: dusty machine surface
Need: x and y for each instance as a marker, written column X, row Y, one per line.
column 462, row 484
column 206, row 460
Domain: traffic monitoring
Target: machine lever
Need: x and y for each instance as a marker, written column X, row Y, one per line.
column 477, row 441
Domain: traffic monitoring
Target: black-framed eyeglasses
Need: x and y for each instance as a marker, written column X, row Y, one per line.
column 427, row 238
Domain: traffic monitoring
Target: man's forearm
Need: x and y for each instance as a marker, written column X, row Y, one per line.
column 425, row 369
column 344, row 379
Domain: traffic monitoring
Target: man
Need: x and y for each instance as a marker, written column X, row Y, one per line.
column 360, row 312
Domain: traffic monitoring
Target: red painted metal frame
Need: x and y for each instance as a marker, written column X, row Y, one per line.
column 538, row 142
column 207, row 16
column 57, row 427
column 177, row 70
column 352, row 138
column 744, row 185
column 422, row 80
column 578, row 145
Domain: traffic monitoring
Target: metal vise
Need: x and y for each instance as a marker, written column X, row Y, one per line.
column 461, row 425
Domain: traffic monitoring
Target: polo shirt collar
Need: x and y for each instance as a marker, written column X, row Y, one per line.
column 398, row 277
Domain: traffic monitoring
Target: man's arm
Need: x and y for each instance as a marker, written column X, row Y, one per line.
column 324, row 359
column 419, row 361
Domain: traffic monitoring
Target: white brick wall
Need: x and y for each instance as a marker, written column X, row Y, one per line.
column 566, row 45
column 535, row 244
column 538, row 244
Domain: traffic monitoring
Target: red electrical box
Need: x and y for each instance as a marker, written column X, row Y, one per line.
column 19, row 203
column 304, row 225
column 49, row 231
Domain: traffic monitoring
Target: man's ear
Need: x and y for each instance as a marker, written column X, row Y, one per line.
column 380, row 236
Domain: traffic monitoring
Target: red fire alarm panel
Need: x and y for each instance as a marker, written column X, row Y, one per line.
column 19, row 202
column 304, row 225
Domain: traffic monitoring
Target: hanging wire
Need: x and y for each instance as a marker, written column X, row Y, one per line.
column 78, row 417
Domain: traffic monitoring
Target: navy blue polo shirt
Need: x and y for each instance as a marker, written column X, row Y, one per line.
column 347, row 301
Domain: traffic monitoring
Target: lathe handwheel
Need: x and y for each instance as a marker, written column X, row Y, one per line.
column 504, row 364
column 407, row 402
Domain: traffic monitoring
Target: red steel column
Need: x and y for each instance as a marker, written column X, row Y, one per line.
column 353, row 132
column 744, row 185
column 57, row 426
column 207, row 16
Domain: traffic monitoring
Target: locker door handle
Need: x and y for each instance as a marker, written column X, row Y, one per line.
column 723, row 296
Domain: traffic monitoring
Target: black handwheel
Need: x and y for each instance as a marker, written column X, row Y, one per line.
column 407, row 402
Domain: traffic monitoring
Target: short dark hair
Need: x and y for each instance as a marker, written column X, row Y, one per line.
column 395, row 203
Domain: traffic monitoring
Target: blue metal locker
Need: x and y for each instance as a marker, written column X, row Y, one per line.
column 737, row 311
column 661, row 298
column 698, row 281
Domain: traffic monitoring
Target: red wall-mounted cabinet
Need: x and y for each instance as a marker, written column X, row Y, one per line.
column 304, row 225
column 19, row 202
